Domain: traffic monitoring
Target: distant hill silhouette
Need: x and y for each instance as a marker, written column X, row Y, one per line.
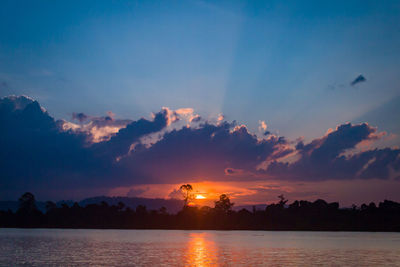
column 250, row 207
column 172, row 205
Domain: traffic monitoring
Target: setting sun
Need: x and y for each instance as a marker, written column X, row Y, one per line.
column 198, row 196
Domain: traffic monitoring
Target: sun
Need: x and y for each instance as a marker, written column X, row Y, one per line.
column 199, row 196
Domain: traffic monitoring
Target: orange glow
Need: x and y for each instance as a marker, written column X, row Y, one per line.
column 241, row 193
column 198, row 196
column 202, row 251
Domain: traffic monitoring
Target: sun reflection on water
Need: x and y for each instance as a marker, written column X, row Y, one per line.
column 201, row 250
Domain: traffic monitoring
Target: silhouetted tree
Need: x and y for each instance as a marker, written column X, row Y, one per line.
column 163, row 210
column 224, row 204
column 120, row 205
column 299, row 215
column 283, row 200
column 50, row 206
column 186, row 190
column 28, row 214
column 27, row 203
column 141, row 210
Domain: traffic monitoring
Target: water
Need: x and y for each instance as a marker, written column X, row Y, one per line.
column 55, row 247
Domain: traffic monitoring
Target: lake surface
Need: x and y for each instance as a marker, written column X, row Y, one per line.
column 55, row 247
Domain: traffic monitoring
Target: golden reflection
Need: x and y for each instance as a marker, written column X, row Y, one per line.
column 201, row 250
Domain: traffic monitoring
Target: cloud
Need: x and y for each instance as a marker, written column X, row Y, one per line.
column 262, row 127
column 81, row 117
column 39, row 153
column 359, row 79
column 34, row 150
column 323, row 158
column 202, row 153
column 97, row 129
column 120, row 143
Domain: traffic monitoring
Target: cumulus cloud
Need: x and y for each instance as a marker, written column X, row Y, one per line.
column 263, row 127
column 120, row 143
column 201, row 153
column 323, row 158
column 97, row 129
column 39, row 152
column 34, row 150
column 359, row 79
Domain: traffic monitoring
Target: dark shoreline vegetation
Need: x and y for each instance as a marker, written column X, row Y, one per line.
column 299, row 215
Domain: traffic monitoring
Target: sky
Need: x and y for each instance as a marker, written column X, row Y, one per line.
column 249, row 98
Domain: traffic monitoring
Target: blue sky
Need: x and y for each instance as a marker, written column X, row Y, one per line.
column 287, row 64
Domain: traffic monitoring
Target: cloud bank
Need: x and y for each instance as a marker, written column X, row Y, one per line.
column 39, row 152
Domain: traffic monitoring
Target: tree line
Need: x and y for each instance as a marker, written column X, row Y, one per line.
column 299, row 215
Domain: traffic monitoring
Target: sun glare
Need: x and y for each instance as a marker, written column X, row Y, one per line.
column 198, row 196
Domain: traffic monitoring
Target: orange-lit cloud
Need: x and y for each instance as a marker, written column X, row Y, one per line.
column 262, row 127
column 98, row 129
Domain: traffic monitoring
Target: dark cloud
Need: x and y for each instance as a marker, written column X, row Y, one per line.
column 36, row 152
column 81, row 117
column 323, row 158
column 346, row 136
column 105, row 121
column 202, row 153
column 229, row 171
column 196, row 119
column 120, row 143
column 39, row 153
column 359, row 79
